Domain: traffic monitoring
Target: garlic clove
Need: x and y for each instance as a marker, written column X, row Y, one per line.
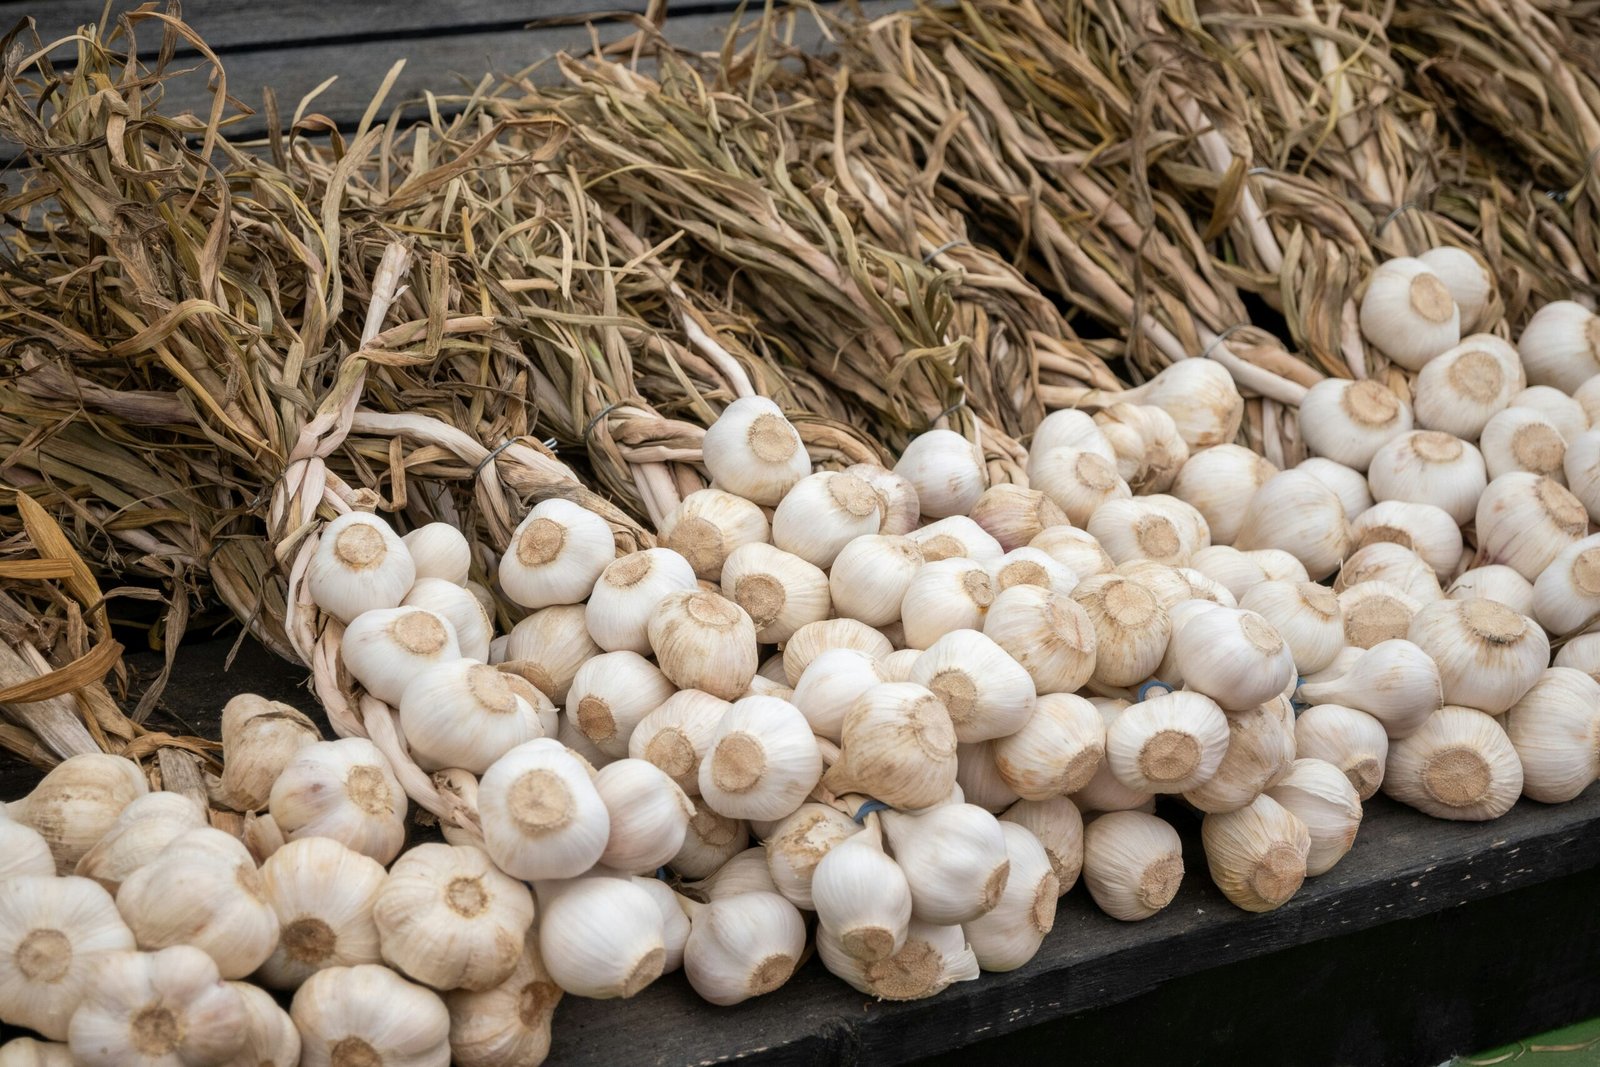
column 954, row 859
column 1014, row 516
column 600, row 937
column 742, row 946
column 542, row 815
column 259, row 738
column 1408, row 313
column 1261, row 748
column 387, row 648
column 1257, row 854
column 1560, row 345
column 1349, row 421
column 344, row 790
column 762, row 762
column 781, row 592
column 1056, row 752
column 1077, row 481
column 649, row 816
column 1429, row 467
column 1497, row 582
column 1350, row 486
column 1297, row 514
column 78, row 802
column 862, row 897
column 897, row 744
column 704, row 641
column 1323, row 798
column 1132, row 864
column 899, row 509
column 1131, row 628
column 1488, row 655
column 711, row 841
column 932, row 959
column 1010, row 934
column 323, row 894
column 986, row 693
column 359, row 564
column 1395, row 682
column 1524, row 521
column 1167, row 744
column 466, row 714
column 1219, row 482
column 55, row 935
column 709, row 524
column 368, row 1014
column 1234, row 657
column 944, row 596
column 150, row 1008
column 1305, row 615
column 1459, row 391
column 627, row 591
column 823, row 513
column 947, row 471
column 870, row 577
column 439, row 550
column 1375, row 612
column 1470, row 284
column 507, row 1025
column 447, row 918
column 1458, row 765
column 1555, row 729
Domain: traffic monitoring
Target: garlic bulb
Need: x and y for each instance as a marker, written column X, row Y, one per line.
column 870, row 577
column 954, row 859
column 466, row 616
column 1581, row 654
column 1167, row 744
column 259, row 737
column 360, row 564
column 145, row 827
column 675, row 924
column 956, row 535
column 948, row 595
column 831, row 684
column 1324, row 800
column 1306, row 616
column 1296, row 513
column 1059, row 828
column 465, row 714
column 23, row 851
column 1498, row 582
column 55, row 935
column 762, row 762
column 1566, row 595
column 1350, row 486
column 862, row 897
column 1427, row 530
column 369, row 1015
column 1555, row 729
column 81, row 798
column 542, row 816
column 1395, row 682
column 1348, row 421
column 1564, row 412
column 1032, row 566
column 1132, row 864
column 896, row 666
column 1049, row 635
column 509, row 1024
column 979, row 779
column 1200, row 396
column 1581, row 466
column 704, row 641
column 1056, row 751
column 1076, row 480
column 1587, row 397
column 270, row 1039
column 677, row 735
column 1071, row 428
column 712, row 840
column 709, row 524
column 746, row 872
column 1488, row 656
column 1408, row 313
column 439, row 550
column 778, row 590
column 898, row 745
column 386, row 649
column 26, row 1052
column 1429, row 467
column 1104, row 792
column 1350, row 740
column 823, row 513
column 898, row 507
column 1075, row 550
column 649, row 816
column 1470, row 284
column 1149, row 449
column 577, row 742
column 1459, row 392
column 1229, row 568
column 985, row 691
column 932, row 959
column 1234, row 657
column 548, row 647
column 1524, row 521
column 612, row 693
column 1394, row 564
column 155, row 1009
column 628, row 590
column 323, row 894
column 600, row 937
column 798, row 843
column 1260, row 749
column 1014, row 516
column 1010, row 934
column 1375, row 612
column 1279, row 565
column 1168, row 584
column 1131, row 628
column 447, row 918
column 947, row 471
column 1522, row 439
column 212, row 900
column 1219, row 482
column 1145, row 528
column 1560, row 345
column 742, row 946
column 344, row 790
column 1458, row 765
column 1257, row 854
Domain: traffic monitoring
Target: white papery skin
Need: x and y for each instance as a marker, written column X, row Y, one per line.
column 1496, row 581
column 649, row 815
column 1235, row 657
column 1395, row 682
column 1459, row 765
column 78, row 802
column 1219, row 483
column 323, row 894
column 742, row 946
column 1307, row 616
column 344, row 790
column 26, row 1052
column 387, row 648
column 954, row 858
column 1167, row 744
column 753, row 451
column 763, row 760
column 674, row 923
column 870, row 576
column 158, row 1009
column 460, row 608
column 1048, row 634
column 862, row 897
column 1458, row 392
column 946, row 470
column 601, row 937
column 677, row 735
column 54, row 934
column 1132, row 864
column 270, row 1038
column 1322, row 797
column 1488, row 655
column 344, row 1013
column 508, row 1025
column 1059, row 828
column 1011, row 933
column 986, row 692
column 360, row 564
column 439, row 550
column 542, row 817
column 1555, row 729
column 627, row 591
column 797, row 844
column 23, row 851
column 465, row 714
column 933, row 957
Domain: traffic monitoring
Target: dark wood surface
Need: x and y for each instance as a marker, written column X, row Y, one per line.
column 1405, row 870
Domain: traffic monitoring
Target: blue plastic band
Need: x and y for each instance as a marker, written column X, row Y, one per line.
column 1294, row 701
column 868, row 808
column 1155, row 683
column 663, row 875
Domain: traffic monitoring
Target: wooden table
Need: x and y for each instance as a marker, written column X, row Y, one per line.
column 1430, row 938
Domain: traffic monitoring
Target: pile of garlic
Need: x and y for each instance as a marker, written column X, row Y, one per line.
column 907, row 704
